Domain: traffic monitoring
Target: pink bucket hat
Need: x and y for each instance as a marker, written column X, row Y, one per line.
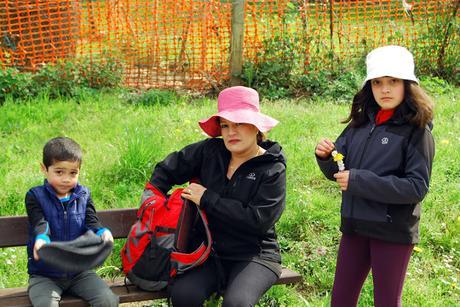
column 238, row 104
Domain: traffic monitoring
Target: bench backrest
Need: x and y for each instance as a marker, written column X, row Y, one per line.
column 14, row 232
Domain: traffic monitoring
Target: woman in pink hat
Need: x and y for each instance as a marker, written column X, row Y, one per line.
column 387, row 150
column 242, row 188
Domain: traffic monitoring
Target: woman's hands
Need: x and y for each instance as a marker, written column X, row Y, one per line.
column 194, row 192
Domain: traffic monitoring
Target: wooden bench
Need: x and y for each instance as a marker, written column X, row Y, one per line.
column 13, row 232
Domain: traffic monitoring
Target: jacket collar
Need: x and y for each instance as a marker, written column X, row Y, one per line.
column 76, row 192
column 399, row 117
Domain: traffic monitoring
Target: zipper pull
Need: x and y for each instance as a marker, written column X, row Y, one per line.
column 372, row 129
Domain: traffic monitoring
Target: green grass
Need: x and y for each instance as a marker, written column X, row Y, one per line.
column 122, row 142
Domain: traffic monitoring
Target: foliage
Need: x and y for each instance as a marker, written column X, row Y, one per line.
column 136, row 158
column 437, row 50
column 272, row 75
column 435, row 85
column 105, row 71
column 281, row 71
column 15, row 84
column 151, row 97
column 61, row 79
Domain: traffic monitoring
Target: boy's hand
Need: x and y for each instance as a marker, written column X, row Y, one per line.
column 342, row 179
column 38, row 244
column 107, row 236
column 324, row 148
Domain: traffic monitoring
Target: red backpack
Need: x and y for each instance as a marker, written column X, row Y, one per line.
column 171, row 235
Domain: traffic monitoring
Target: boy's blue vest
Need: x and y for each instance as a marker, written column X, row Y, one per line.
column 64, row 225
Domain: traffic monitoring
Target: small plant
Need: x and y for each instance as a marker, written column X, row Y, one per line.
column 435, row 85
column 61, row 79
column 103, row 72
column 152, row 97
column 135, row 162
column 57, row 80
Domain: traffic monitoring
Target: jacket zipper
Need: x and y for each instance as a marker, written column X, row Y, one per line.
column 361, row 160
column 65, row 227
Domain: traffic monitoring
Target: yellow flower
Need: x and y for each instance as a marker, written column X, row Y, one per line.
column 445, row 142
column 338, row 157
column 418, row 249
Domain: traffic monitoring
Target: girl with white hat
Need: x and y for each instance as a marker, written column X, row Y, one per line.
column 240, row 182
column 387, row 150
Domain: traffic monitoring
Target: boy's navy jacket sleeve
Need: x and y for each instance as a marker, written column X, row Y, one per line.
column 91, row 219
column 410, row 188
column 39, row 225
column 260, row 213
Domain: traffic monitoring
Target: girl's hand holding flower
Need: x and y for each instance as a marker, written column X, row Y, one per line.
column 342, row 178
column 324, row 148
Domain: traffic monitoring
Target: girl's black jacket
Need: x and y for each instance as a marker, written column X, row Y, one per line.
column 242, row 211
column 390, row 168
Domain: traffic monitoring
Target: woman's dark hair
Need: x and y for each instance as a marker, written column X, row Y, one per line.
column 419, row 109
column 261, row 137
column 61, row 149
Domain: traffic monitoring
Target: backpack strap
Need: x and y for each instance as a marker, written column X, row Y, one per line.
column 199, row 255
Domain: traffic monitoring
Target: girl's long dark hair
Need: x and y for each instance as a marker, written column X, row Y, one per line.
column 418, row 110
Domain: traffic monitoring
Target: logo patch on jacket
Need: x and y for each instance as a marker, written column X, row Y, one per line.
column 251, row 176
column 384, row 141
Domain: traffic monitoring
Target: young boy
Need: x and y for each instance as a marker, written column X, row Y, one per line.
column 62, row 210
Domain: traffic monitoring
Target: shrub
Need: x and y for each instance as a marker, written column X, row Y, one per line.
column 437, row 51
column 61, row 79
column 15, row 84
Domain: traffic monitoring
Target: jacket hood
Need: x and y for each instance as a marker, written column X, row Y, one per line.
column 273, row 151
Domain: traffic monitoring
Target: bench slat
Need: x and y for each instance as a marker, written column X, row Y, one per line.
column 13, row 232
column 18, row 296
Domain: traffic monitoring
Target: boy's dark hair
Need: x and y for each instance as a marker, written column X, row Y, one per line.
column 61, row 149
column 419, row 110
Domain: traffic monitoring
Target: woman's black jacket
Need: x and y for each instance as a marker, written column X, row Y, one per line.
column 242, row 211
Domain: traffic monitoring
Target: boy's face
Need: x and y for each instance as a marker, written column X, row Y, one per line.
column 62, row 176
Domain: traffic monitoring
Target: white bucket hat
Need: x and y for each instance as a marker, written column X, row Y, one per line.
column 390, row 61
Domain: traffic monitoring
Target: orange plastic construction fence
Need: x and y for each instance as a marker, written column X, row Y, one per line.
column 186, row 43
